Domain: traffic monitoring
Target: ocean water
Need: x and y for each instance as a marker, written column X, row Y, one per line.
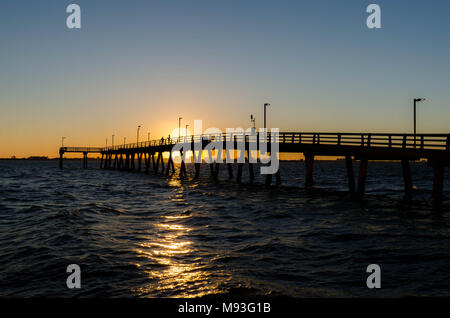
column 141, row 235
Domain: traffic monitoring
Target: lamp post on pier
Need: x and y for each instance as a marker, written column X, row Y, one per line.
column 186, row 132
column 112, row 141
column 415, row 101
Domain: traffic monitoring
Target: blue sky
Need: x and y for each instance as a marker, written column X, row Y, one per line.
column 148, row 62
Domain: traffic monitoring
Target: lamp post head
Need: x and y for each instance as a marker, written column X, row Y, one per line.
column 419, row 99
column 266, row 104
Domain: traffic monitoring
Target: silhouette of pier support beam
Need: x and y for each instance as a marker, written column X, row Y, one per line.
column 239, row 172
column 120, row 166
column 278, row 177
column 153, row 160
column 147, row 162
column 362, row 176
column 230, row 170
column 197, row 170
column 438, row 185
column 182, row 169
column 216, row 171
column 309, row 165
column 115, row 161
column 127, row 162
column 211, row 169
column 268, row 179
column 85, row 160
column 61, row 158
column 270, row 176
column 132, row 161
column 182, row 165
column 139, row 161
column 155, row 166
column 407, row 178
column 251, row 172
column 350, row 174
column 158, row 159
column 170, row 165
column 162, row 161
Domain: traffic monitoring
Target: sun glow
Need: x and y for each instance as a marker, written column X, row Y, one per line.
column 169, row 259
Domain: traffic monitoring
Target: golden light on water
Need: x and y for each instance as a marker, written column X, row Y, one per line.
column 178, row 262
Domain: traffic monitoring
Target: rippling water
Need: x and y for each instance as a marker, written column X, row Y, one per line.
column 138, row 235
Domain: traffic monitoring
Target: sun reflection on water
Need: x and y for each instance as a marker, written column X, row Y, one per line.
column 172, row 263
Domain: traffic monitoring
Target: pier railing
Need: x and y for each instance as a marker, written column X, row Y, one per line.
column 399, row 141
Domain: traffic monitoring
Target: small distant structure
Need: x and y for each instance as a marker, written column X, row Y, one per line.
column 13, row 157
column 37, row 158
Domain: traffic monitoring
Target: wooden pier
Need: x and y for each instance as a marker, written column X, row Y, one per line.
column 365, row 147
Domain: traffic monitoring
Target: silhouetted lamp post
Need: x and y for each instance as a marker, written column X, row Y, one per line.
column 112, row 141
column 148, row 137
column 186, row 132
column 124, row 140
column 415, row 101
column 179, row 128
column 137, row 139
column 253, row 120
column 265, row 106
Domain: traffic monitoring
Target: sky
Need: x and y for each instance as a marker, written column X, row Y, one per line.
column 147, row 63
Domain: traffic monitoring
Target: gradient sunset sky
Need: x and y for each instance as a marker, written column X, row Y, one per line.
column 146, row 63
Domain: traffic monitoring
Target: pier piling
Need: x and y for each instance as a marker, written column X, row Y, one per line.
column 309, row 163
column 407, row 178
column 350, row 174
column 363, row 163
